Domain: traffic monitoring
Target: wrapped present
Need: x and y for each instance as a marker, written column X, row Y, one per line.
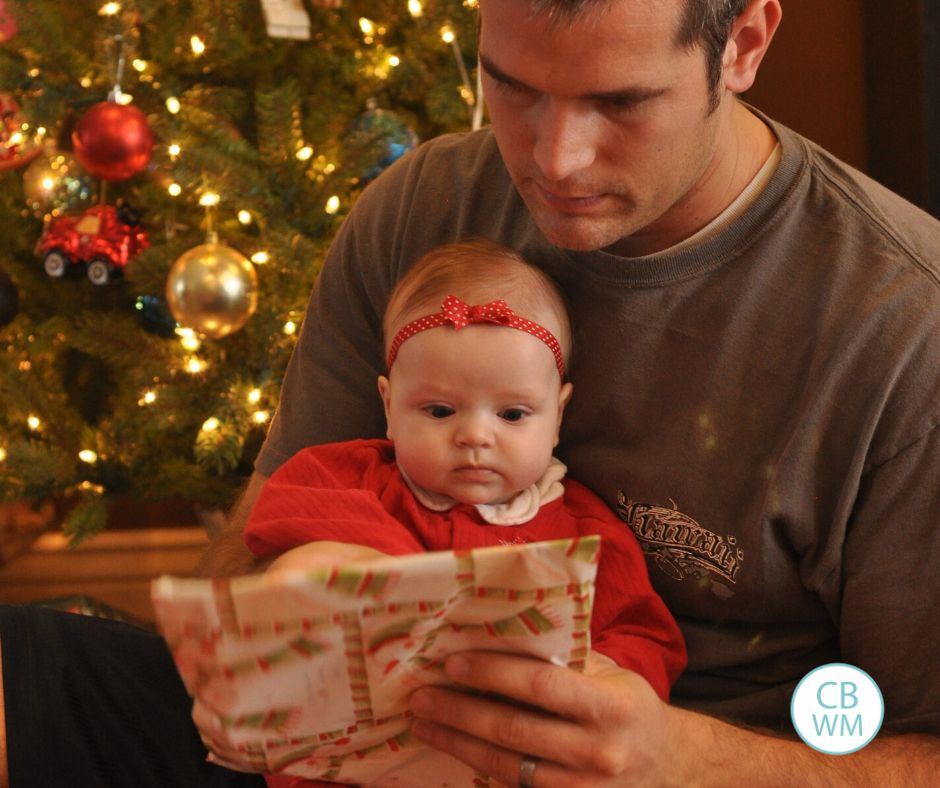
column 307, row 672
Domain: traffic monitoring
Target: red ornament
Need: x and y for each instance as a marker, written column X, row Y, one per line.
column 113, row 141
column 8, row 26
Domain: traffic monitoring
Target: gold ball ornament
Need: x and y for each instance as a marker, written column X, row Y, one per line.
column 56, row 182
column 212, row 289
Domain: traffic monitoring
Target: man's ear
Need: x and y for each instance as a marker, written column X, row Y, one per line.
column 385, row 392
column 748, row 42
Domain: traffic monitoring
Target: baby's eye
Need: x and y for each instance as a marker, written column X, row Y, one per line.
column 439, row 411
column 512, row 414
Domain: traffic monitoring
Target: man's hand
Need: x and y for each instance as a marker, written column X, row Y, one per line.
column 607, row 727
column 604, row 727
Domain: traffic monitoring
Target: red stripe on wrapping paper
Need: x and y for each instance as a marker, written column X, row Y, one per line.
column 391, row 666
column 573, row 547
column 490, row 629
column 365, row 583
column 529, row 624
column 331, row 580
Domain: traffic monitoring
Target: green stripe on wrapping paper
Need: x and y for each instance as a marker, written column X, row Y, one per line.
column 396, row 631
column 531, row 621
column 261, row 721
column 358, row 582
column 584, row 548
column 298, row 649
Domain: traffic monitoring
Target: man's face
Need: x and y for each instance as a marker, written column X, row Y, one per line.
column 604, row 123
column 474, row 414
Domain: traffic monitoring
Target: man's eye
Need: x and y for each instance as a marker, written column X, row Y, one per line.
column 512, row 414
column 439, row 411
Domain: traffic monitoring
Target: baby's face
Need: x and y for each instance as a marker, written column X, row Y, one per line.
column 474, row 414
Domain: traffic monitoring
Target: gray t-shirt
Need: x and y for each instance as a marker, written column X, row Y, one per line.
column 761, row 409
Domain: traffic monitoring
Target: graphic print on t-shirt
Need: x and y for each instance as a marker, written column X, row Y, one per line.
column 680, row 547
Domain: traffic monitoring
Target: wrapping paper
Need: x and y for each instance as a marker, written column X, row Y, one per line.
column 307, row 673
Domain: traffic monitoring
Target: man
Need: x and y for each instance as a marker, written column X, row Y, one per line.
column 756, row 368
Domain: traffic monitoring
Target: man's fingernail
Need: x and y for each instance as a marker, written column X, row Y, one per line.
column 456, row 667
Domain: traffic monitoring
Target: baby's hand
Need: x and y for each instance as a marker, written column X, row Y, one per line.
column 323, row 553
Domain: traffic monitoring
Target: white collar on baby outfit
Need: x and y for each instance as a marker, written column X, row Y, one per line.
column 521, row 508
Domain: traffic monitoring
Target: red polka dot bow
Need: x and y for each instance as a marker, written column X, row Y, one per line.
column 459, row 314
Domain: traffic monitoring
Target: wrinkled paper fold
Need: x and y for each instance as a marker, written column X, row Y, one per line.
column 307, row 673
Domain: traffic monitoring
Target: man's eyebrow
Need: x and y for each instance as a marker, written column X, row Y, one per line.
column 624, row 96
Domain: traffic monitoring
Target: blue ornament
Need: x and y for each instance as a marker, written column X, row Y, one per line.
column 154, row 316
column 377, row 139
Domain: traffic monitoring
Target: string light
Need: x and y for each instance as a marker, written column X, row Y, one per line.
column 124, row 99
column 148, row 398
column 87, row 455
column 85, row 82
column 33, row 422
column 109, row 9
column 173, row 149
column 244, row 216
column 304, row 153
column 172, row 105
column 260, row 416
column 198, row 45
column 3, row 454
column 139, row 65
column 254, row 396
column 211, row 424
column 415, row 8
column 366, row 26
column 260, row 258
column 290, row 328
column 209, row 199
column 194, row 365
column 332, row 205
column 88, row 486
column 174, row 189
column 447, row 34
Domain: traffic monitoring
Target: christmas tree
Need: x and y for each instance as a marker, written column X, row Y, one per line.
column 171, row 175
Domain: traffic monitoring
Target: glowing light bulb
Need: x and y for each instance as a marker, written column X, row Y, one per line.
column 244, row 216
column 209, row 199
column 210, row 424
column 415, row 8
column 172, row 105
column 87, row 455
column 290, row 328
column 139, row 65
column 194, row 366
column 304, row 153
column 198, row 45
column 33, row 422
column 109, row 9
column 3, row 454
column 260, row 416
column 260, row 258
column 148, row 399
column 254, row 396
column 173, row 149
column 448, row 35
column 366, row 26
column 332, row 205
column 192, row 344
column 174, row 189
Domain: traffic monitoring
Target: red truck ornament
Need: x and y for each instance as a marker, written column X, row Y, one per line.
column 103, row 239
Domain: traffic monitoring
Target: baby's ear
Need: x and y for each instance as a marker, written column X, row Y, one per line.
column 385, row 392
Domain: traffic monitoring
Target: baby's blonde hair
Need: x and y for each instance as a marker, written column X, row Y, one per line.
column 476, row 271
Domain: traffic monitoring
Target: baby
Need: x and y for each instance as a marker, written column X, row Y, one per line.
column 476, row 343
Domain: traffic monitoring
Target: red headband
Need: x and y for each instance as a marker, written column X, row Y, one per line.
column 456, row 313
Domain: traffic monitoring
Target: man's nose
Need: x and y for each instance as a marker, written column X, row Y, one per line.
column 564, row 139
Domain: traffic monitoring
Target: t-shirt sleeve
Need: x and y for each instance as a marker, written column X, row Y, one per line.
column 327, row 493
column 629, row 621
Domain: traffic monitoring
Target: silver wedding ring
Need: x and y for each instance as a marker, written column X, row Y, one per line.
column 527, row 771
